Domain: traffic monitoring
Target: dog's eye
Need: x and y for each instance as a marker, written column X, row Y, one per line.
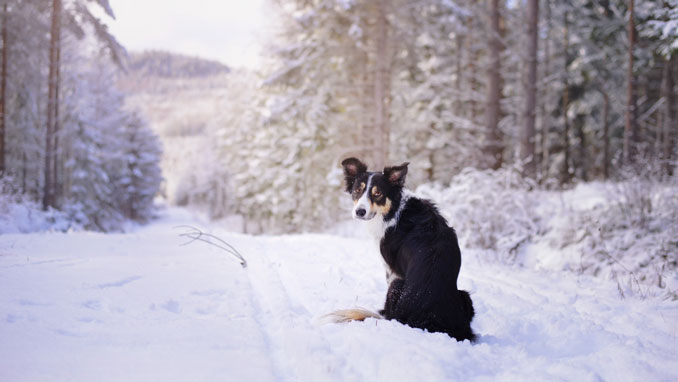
column 377, row 194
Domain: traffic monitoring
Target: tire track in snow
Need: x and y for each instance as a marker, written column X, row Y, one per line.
column 298, row 350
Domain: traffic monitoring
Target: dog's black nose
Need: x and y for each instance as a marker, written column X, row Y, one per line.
column 360, row 212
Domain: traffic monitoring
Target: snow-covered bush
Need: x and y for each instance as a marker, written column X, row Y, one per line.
column 19, row 213
column 625, row 230
column 634, row 237
column 490, row 210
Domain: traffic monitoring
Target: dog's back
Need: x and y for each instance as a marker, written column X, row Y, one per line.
column 422, row 250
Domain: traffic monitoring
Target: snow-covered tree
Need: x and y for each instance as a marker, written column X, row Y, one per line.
column 663, row 28
column 141, row 176
column 112, row 170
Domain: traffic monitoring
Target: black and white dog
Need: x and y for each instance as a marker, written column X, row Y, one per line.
column 420, row 252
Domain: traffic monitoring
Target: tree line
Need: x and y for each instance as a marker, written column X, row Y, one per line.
column 538, row 82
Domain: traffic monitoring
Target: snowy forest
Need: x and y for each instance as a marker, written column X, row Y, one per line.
column 500, row 107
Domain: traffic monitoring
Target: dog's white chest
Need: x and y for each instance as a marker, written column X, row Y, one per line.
column 377, row 228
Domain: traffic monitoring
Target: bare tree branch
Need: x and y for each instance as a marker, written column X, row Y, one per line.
column 196, row 234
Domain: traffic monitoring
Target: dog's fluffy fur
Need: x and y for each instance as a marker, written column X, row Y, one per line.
column 420, row 252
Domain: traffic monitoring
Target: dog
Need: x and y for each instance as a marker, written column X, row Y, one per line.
column 420, row 253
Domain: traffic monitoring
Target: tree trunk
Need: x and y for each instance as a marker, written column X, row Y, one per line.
column 565, row 170
column 381, row 86
column 669, row 127
column 493, row 137
column 527, row 152
column 581, row 136
column 545, row 116
column 458, row 104
column 49, row 187
column 630, row 133
column 472, row 83
column 55, row 149
column 364, row 93
column 3, row 89
column 24, row 172
column 606, row 133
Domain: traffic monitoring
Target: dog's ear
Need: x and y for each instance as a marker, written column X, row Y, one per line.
column 396, row 174
column 352, row 168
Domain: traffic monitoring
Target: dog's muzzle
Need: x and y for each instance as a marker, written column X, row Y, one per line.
column 362, row 214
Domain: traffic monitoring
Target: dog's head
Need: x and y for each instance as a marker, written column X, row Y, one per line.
column 373, row 192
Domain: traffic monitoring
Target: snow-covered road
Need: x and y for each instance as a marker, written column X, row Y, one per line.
column 142, row 307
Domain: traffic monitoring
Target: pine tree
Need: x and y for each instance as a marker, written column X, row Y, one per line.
column 28, row 30
column 141, row 174
column 663, row 27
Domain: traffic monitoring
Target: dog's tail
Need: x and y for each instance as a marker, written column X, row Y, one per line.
column 347, row 315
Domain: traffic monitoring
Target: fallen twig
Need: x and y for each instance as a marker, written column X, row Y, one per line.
column 196, row 234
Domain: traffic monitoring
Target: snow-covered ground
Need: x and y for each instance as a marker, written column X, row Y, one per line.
column 143, row 307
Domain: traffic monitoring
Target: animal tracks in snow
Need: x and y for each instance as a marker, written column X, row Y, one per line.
column 119, row 283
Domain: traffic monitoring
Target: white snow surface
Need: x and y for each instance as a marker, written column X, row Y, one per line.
column 143, row 307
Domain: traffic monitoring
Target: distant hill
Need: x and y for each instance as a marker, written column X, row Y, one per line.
column 166, row 74
column 171, row 65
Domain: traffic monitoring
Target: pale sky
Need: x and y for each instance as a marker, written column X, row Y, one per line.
column 224, row 30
